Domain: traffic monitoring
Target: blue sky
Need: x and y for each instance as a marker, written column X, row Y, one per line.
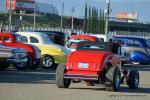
column 140, row 6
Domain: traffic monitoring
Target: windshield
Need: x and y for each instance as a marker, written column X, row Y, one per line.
column 20, row 38
column 47, row 40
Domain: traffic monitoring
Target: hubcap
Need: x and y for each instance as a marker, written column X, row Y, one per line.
column 136, row 80
column 47, row 61
column 117, row 82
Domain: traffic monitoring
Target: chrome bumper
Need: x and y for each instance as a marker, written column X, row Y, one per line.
column 17, row 60
column 82, row 77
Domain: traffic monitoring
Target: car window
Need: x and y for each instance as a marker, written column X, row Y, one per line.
column 148, row 43
column 22, row 39
column 34, row 40
column 119, row 41
column 133, row 43
column 7, row 39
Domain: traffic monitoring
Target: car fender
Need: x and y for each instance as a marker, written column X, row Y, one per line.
column 58, row 55
column 138, row 56
column 37, row 51
column 113, row 60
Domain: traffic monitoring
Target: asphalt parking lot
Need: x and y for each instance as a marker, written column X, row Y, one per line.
column 40, row 85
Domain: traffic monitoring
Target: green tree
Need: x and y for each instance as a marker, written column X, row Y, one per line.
column 89, row 20
column 85, row 19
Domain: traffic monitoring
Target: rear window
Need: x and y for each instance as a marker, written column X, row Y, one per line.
column 133, row 43
column 105, row 46
column 99, row 47
column 34, row 40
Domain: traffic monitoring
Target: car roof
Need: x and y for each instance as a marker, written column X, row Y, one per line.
column 26, row 33
column 141, row 40
column 52, row 32
column 106, row 46
column 91, row 38
column 136, row 38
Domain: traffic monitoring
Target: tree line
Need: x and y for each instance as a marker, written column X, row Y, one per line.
column 94, row 20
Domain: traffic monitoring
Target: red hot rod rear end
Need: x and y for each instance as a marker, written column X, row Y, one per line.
column 95, row 63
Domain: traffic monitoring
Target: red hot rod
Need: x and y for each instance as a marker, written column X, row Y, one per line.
column 33, row 53
column 96, row 63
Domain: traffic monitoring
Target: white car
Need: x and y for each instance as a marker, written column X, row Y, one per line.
column 51, row 53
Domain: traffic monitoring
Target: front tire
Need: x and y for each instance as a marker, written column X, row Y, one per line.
column 3, row 66
column 24, row 65
column 133, row 79
column 113, row 79
column 60, row 81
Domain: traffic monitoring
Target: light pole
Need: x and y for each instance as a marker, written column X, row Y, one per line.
column 72, row 18
column 34, row 14
column 107, row 12
column 21, row 18
column 62, row 15
column 10, row 16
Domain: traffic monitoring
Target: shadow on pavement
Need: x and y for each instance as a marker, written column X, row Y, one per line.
column 27, row 77
column 139, row 90
column 122, row 89
column 137, row 67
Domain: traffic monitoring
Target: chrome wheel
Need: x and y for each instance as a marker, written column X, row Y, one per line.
column 117, row 81
column 136, row 81
column 47, row 62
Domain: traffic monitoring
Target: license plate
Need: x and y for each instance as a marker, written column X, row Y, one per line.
column 83, row 65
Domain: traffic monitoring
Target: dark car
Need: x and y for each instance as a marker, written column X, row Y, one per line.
column 134, row 50
column 15, row 56
column 56, row 36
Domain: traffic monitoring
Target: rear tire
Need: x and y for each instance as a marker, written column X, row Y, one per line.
column 60, row 81
column 133, row 79
column 113, row 79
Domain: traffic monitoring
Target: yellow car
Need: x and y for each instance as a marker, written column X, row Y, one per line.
column 51, row 53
